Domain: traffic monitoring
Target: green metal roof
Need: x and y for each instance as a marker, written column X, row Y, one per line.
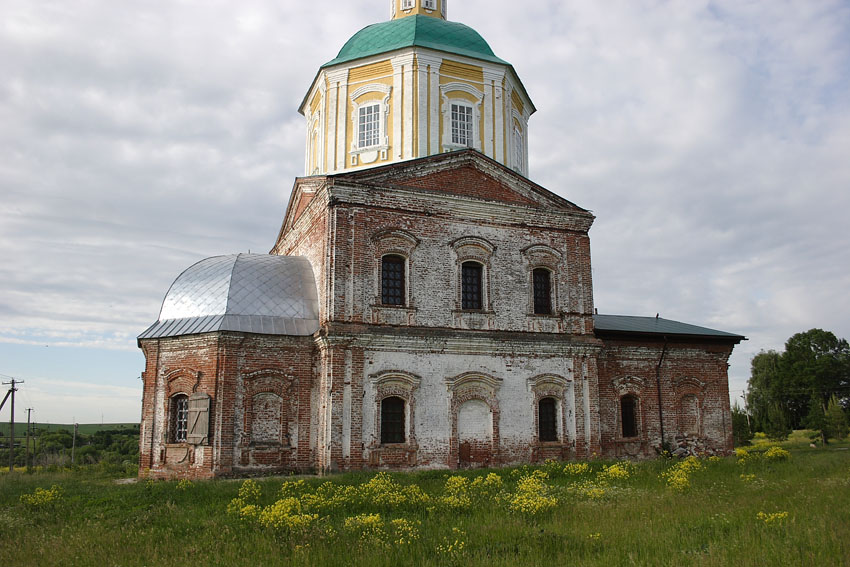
column 657, row 326
column 420, row 31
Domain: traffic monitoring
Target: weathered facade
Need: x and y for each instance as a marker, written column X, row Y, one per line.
column 431, row 312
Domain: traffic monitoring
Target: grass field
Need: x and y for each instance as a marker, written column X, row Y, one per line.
column 83, row 428
column 760, row 508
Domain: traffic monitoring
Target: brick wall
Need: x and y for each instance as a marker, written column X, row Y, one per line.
column 691, row 372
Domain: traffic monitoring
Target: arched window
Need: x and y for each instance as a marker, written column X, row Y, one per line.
column 628, row 415
column 392, row 420
column 179, row 418
column 547, row 424
column 392, row 280
column 471, row 288
column 542, row 291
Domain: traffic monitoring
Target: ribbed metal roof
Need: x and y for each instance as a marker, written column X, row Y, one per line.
column 656, row 326
column 251, row 293
column 421, row 31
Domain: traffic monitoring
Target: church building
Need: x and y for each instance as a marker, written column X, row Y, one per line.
column 425, row 304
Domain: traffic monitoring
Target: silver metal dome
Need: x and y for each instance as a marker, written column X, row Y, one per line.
column 250, row 293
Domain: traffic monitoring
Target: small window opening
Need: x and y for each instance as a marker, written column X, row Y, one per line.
column 392, row 280
column 542, row 291
column 179, row 417
column 546, row 420
column 471, row 289
column 392, row 420
column 628, row 415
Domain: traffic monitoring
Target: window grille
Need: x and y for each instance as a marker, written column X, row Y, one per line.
column 392, row 420
column 369, row 132
column 471, row 289
column 461, row 125
column 542, row 291
column 628, row 415
column 392, row 280
column 546, row 420
column 180, row 416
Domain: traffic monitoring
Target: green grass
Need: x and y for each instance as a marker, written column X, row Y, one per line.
column 638, row 521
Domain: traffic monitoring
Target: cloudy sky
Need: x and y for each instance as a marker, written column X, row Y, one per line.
column 711, row 139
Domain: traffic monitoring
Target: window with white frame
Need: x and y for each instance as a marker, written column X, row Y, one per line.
column 518, row 149
column 461, row 124
column 369, row 126
column 407, row 4
column 430, row 4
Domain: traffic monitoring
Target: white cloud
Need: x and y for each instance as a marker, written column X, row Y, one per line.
column 709, row 138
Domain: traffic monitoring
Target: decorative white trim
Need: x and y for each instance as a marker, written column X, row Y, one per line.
column 403, row 380
column 476, row 380
column 370, row 154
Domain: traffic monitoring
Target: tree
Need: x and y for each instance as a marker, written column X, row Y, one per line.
column 816, row 420
column 815, row 365
column 836, row 419
column 740, row 426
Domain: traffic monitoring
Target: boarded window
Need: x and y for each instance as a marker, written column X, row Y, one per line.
column 392, row 280
column 689, row 415
column 542, row 291
column 628, row 415
column 392, row 420
column 266, row 420
column 547, row 420
column 471, row 289
column 179, row 418
column 198, row 427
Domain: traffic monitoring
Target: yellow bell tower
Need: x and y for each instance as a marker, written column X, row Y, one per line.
column 404, row 8
column 414, row 86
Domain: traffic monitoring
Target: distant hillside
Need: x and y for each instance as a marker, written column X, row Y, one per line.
column 84, row 428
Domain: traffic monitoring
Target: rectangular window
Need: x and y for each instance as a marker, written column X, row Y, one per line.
column 430, row 4
column 392, row 280
column 392, row 420
column 471, row 292
column 518, row 149
column 461, row 125
column 369, row 130
column 180, row 409
column 542, row 292
column 407, row 4
column 548, row 427
column 628, row 414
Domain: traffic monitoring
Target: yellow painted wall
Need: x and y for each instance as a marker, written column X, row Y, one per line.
column 455, row 70
column 380, row 72
column 418, row 9
column 517, row 101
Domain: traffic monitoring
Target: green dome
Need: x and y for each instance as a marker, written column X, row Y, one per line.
column 419, row 31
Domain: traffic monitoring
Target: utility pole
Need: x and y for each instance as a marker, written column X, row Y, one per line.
column 74, row 443
column 11, row 392
column 27, row 460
